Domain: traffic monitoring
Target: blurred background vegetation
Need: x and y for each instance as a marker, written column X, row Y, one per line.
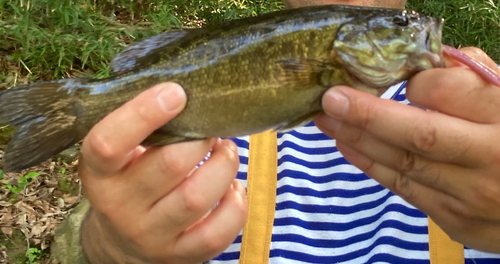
column 47, row 39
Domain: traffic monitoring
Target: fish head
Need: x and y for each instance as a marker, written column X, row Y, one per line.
column 388, row 48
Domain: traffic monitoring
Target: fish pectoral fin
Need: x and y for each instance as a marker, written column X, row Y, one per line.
column 157, row 139
column 288, row 126
column 133, row 56
column 300, row 71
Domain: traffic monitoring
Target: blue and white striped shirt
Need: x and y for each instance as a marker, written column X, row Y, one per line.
column 328, row 211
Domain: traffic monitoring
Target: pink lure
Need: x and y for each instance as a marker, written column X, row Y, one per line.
column 478, row 67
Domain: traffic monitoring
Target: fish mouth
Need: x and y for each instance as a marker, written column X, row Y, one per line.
column 431, row 46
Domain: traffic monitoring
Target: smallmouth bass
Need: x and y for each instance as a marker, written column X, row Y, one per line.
column 240, row 77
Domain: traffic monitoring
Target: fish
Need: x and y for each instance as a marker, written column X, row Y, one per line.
column 240, row 77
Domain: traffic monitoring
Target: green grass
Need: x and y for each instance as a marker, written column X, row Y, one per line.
column 467, row 22
column 47, row 39
column 60, row 38
column 17, row 188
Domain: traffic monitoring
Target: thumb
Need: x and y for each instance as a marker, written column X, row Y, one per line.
column 170, row 97
column 111, row 143
column 481, row 56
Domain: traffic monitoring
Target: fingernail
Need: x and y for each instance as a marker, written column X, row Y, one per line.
column 335, row 104
column 171, row 97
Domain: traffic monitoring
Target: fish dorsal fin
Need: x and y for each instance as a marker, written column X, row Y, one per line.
column 299, row 71
column 131, row 56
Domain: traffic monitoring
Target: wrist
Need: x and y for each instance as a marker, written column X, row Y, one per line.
column 102, row 245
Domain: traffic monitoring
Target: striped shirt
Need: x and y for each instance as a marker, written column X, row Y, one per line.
column 328, row 211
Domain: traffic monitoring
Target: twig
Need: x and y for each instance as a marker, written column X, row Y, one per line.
column 28, row 242
column 118, row 24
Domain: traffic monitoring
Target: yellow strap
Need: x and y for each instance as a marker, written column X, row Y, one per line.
column 442, row 249
column 261, row 196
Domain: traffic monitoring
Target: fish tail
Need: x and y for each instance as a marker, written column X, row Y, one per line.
column 45, row 115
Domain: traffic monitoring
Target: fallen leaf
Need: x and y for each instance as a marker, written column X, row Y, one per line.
column 37, row 229
column 5, row 204
column 6, row 217
column 21, row 219
column 30, row 212
column 71, row 199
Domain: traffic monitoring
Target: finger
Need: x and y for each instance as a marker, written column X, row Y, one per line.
column 443, row 177
column 451, row 91
column 481, row 56
column 160, row 170
column 438, row 205
column 110, row 143
column 474, row 59
column 455, row 217
column 219, row 229
column 199, row 193
column 433, row 135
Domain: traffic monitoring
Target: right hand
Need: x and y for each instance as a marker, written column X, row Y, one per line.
column 152, row 205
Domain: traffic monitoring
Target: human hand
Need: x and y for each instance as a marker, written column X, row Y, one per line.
column 445, row 162
column 152, row 205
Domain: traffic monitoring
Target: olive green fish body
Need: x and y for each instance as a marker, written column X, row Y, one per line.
column 241, row 77
column 230, row 82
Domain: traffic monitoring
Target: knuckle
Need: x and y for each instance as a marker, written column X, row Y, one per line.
column 405, row 162
column 100, row 147
column 431, row 175
column 404, row 188
column 170, row 162
column 423, row 138
column 192, row 202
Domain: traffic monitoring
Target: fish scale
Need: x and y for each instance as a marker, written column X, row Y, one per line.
column 240, row 77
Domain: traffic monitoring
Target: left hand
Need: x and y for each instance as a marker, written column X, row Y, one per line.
column 445, row 162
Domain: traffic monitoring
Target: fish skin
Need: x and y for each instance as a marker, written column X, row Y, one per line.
column 240, row 77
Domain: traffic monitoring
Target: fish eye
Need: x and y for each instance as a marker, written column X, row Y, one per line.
column 401, row 20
